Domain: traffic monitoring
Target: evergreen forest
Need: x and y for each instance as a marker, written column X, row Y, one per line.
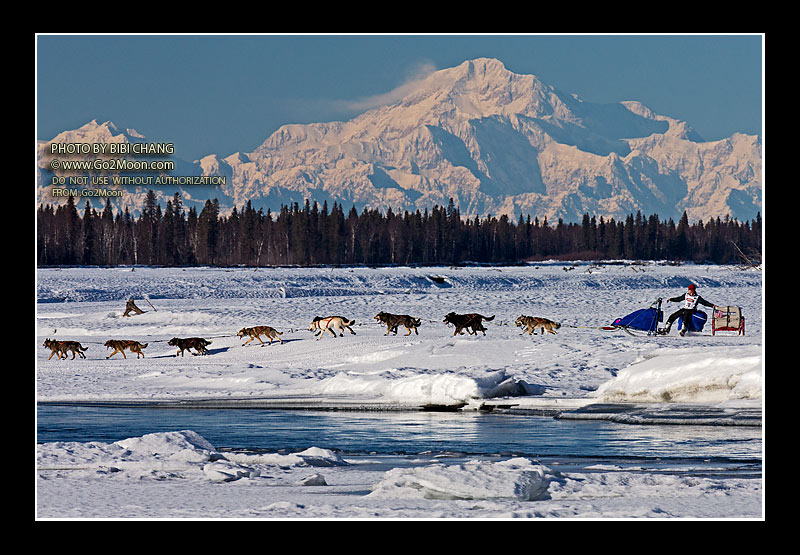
column 312, row 235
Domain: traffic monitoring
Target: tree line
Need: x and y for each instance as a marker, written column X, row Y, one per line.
column 310, row 234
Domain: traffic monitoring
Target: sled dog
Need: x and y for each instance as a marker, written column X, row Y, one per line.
column 392, row 321
column 119, row 346
column 257, row 331
column 184, row 344
column 471, row 321
column 532, row 323
column 61, row 347
column 330, row 324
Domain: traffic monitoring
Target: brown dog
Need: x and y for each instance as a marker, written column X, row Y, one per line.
column 184, row 344
column 119, row 346
column 61, row 347
column 392, row 322
column 256, row 332
column 471, row 321
column 532, row 323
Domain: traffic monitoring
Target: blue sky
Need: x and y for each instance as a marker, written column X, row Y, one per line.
column 215, row 94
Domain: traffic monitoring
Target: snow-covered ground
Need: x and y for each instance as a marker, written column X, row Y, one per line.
column 181, row 475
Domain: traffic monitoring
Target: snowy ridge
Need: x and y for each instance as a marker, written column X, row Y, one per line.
column 69, row 284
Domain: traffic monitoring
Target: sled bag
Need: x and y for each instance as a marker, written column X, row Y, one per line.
column 727, row 318
column 645, row 319
column 698, row 321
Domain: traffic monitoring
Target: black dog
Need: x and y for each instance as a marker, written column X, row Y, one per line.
column 196, row 343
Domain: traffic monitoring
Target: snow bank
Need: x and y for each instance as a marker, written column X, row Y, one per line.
column 688, row 375
column 446, row 388
column 183, row 455
column 313, row 456
column 169, row 455
column 516, row 478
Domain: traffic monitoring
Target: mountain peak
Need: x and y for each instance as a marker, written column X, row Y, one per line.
column 479, row 88
column 482, row 67
column 94, row 132
column 94, row 127
column 496, row 142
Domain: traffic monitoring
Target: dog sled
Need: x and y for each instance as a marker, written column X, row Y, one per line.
column 642, row 320
column 725, row 318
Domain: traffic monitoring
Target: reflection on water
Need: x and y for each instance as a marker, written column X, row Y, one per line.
column 407, row 433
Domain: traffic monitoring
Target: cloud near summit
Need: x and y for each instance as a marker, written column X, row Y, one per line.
column 415, row 75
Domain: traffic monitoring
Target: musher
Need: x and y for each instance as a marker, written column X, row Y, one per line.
column 690, row 300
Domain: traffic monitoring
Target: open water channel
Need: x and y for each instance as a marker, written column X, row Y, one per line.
column 693, row 449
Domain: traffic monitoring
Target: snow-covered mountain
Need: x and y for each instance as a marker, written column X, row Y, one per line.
column 496, row 142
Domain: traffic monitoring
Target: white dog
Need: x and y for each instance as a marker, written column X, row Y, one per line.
column 330, row 324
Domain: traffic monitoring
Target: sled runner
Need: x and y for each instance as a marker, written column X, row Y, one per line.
column 645, row 319
column 727, row 318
